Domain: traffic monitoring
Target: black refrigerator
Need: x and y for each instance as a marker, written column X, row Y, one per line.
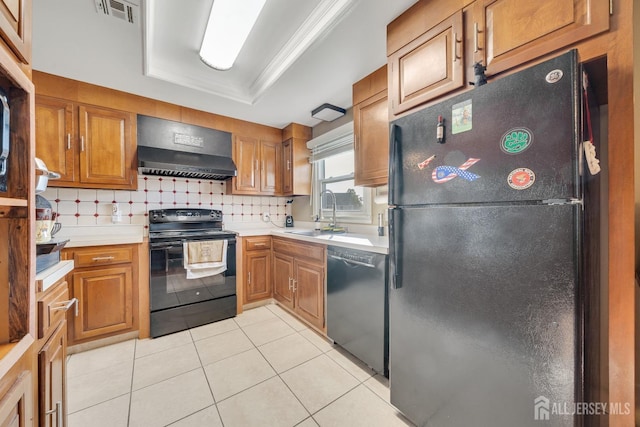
column 485, row 300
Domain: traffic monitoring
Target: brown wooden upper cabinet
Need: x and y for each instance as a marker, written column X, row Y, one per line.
column 511, row 32
column 91, row 147
column 15, row 27
column 259, row 166
column 429, row 66
column 296, row 169
column 55, row 125
column 432, row 47
column 371, row 129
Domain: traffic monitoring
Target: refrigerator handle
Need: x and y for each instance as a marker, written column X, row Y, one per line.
column 393, row 252
column 394, row 134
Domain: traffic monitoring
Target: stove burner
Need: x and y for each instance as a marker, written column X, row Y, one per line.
column 186, row 223
column 183, row 215
column 189, row 233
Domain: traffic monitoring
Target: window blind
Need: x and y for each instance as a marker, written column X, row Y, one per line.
column 331, row 143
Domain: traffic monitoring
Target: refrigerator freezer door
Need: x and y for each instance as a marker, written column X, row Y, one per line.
column 514, row 139
column 483, row 320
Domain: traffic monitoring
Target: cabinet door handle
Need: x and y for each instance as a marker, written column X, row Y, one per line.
column 454, row 47
column 68, row 141
column 249, row 279
column 290, row 279
column 103, row 258
column 82, row 143
column 259, row 244
column 475, row 37
column 295, row 282
column 66, row 305
column 288, row 164
column 59, row 413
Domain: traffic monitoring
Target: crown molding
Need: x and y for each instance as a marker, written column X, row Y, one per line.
column 318, row 24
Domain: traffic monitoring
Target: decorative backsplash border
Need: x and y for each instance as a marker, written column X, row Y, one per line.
column 94, row 207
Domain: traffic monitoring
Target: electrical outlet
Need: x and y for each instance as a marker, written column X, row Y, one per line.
column 266, row 217
column 116, row 213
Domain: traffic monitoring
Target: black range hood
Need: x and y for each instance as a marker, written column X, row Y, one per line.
column 171, row 148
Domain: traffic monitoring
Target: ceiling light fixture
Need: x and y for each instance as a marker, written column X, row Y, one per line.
column 328, row 112
column 229, row 25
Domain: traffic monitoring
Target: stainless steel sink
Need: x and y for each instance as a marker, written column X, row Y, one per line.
column 317, row 232
column 305, row 232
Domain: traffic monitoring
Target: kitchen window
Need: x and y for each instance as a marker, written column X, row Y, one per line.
column 333, row 169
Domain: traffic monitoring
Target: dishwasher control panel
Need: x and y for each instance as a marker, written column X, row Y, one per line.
column 351, row 255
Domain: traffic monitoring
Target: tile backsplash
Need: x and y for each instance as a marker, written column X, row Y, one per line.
column 94, row 207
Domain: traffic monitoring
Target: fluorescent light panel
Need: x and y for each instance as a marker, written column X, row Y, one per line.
column 229, row 25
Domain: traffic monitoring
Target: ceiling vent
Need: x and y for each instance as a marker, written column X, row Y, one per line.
column 120, row 9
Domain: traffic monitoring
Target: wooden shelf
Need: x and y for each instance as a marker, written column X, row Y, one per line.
column 7, row 201
column 13, row 208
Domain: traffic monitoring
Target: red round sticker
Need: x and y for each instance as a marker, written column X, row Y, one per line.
column 521, row 178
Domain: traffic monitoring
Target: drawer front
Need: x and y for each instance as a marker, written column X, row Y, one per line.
column 51, row 308
column 299, row 250
column 102, row 256
column 257, row 243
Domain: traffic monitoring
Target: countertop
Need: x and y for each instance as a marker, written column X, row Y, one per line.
column 99, row 235
column 360, row 239
column 51, row 275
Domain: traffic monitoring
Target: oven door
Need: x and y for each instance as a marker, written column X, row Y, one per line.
column 169, row 286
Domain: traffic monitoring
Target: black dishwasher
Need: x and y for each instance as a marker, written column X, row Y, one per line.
column 357, row 305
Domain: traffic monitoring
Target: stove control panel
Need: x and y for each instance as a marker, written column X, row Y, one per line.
column 184, row 215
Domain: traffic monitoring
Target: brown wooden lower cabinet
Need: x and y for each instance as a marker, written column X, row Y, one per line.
column 52, row 372
column 298, row 278
column 16, row 405
column 282, row 277
column 103, row 282
column 257, row 268
column 51, row 350
column 105, row 301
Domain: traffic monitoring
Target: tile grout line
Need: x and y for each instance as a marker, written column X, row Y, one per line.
column 213, row 397
column 285, row 383
column 201, row 367
column 133, row 370
column 359, row 382
column 96, row 404
column 322, row 353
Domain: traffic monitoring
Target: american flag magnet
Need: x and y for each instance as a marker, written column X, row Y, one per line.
column 443, row 174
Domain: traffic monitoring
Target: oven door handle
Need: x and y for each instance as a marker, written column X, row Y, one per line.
column 165, row 245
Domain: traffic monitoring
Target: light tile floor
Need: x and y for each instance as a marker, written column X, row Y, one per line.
column 261, row 368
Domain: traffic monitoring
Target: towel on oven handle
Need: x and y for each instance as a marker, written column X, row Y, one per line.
column 204, row 258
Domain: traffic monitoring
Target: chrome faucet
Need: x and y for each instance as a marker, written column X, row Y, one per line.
column 332, row 224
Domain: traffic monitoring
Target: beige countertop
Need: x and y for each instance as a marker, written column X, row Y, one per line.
column 99, row 235
column 360, row 239
column 51, row 275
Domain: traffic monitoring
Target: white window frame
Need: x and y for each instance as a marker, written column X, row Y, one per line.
column 336, row 141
